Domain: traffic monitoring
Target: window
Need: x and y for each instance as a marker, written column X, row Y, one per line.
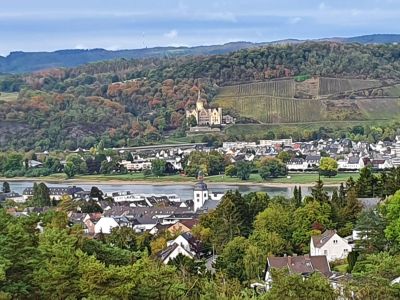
column 198, row 195
column 335, row 241
column 325, row 252
column 346, row 250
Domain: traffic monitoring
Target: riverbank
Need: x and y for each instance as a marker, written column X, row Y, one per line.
column 303, row 179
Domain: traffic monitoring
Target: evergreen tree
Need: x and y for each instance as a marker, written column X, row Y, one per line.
column 41, row 195
column 342, row 195
column 353, row 206
column 318, row 192
column 6, row 187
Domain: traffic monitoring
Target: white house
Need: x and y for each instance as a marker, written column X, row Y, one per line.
column 297, row 164
column 173, row 251
column 185, row 244
column 352, row 163
column 329, row 244
column 105, row 225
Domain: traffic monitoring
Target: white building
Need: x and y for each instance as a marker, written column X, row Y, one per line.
column 297, row 164
column 105, row 225
column 200, row 195
column 270, row 143
column 184, row 244
column 329, row 244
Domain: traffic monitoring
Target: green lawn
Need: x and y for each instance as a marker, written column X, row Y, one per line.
column 301, row 178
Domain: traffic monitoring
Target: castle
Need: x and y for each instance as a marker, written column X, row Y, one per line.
column 203, row 116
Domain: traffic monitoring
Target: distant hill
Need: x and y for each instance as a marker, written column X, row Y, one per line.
column 20, row 62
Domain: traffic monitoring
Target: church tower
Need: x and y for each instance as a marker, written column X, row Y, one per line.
column 200, row 193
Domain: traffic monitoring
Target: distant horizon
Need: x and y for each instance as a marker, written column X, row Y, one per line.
column 45, row 25
column 196, row 45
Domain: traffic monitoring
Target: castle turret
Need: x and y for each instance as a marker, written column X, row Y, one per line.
column 199, row 102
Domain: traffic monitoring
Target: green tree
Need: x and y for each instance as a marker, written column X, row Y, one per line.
column 305, row 219
column 191, row 121
column 371, row 230
column 366, row 183
column 318, row 192
column 230, row 170
column 294, row 287
column 70, row 169
column 231, row 259
column 284, row 156
column 391, row 212
column 41, row 195
column 243, row 170
column 57, row 274
column 328, row 166
column 272, row 168
column 353, row 206
column 158, row 167
column 6, row 187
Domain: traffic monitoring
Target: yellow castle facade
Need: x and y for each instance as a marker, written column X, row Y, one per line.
column 205, row 116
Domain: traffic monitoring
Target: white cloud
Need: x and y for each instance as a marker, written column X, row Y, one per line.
column 171, row 34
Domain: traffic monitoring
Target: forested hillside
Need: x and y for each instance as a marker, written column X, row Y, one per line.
column 19, row 62
column 129, row 102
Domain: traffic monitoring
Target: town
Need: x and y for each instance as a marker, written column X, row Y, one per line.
column 214, row 150
column 328, row 233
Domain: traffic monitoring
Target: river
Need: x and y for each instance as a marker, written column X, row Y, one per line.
column 184, row 191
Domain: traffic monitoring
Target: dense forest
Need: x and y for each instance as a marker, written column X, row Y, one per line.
column 130, row 102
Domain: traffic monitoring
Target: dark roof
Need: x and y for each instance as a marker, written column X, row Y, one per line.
column 353, row 160
column 301, row 264
column 296, row 161
column 163, row 254
column 195, row 245
column 189, row 223
column 321, row 239
column 313, row 158
column 70, row 190
column 200, row 186
column 5, row 196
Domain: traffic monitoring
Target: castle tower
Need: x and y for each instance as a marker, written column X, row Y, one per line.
column 200, row 193
column 199, row 103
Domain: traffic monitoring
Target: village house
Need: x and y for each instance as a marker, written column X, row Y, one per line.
column 302, row 265
column 331, row 245
column 55, row 192
column 297, row 164
column 183, row 226
column 185, row 244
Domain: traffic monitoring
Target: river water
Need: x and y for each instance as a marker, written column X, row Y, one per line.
column 184, row 191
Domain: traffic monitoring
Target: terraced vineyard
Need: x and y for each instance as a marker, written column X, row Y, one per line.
column 278, row 88
column 274, row 102
column 329, row 86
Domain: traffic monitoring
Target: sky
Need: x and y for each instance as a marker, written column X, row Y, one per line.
column 48, row 25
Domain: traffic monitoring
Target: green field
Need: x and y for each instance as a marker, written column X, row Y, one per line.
column 8, row 96
column 260, row 130
column 297, row 178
